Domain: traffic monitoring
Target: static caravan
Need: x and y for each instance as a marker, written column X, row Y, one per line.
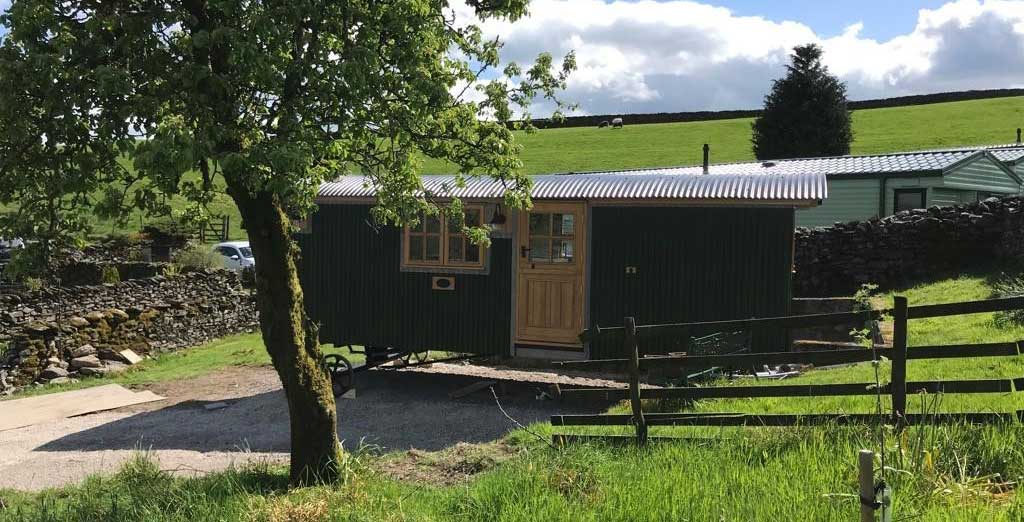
column 596, row 247
column 1012, row 156
column 863, row 187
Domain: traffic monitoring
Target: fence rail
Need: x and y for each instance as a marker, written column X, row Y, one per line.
column 897, row 387
column 217, row 229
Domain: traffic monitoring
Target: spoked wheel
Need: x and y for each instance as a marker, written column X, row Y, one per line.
column 341, row 372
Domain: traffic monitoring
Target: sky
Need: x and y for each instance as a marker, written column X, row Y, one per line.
column 681, row 55
column 648, row 56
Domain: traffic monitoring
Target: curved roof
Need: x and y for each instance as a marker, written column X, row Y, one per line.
column 632, row 185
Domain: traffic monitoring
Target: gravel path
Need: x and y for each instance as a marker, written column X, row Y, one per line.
column 392, row 411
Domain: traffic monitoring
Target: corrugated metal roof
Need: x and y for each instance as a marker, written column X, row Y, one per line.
column 649, row 184
column 910, row 162
column 801, row 179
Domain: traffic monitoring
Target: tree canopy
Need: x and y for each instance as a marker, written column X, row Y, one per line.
column 805, row 113
column 272, row 98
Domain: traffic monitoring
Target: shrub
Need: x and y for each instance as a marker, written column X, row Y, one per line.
column 33, row 283
column 196, row 257
column 109, row 274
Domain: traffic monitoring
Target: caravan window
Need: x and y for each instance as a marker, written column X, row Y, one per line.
column 909, row 199
column 436, row 242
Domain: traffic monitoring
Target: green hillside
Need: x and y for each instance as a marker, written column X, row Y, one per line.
column 974, row 122
column 894, row 129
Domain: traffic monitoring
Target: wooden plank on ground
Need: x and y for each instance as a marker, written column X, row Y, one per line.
column 471, row 389
column 815, row 357
column 789, row 321
column 18, row 413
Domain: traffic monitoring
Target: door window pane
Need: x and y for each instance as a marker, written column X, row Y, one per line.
column 472, row 253
column 562, row 250
column 540, row 224
column 540, row 249
column 564, row 224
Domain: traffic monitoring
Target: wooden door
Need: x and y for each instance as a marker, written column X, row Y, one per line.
column 552, row 254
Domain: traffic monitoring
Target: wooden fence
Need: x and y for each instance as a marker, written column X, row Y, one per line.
column 217, row 229
column 897, row 388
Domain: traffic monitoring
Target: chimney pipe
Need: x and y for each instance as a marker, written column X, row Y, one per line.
column 1018, row 134
column 707, row 154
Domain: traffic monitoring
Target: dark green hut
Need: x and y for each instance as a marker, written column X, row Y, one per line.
column 655, row 244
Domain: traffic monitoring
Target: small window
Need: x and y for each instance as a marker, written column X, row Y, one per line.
column 435, row 242
column 552, row 237
column 909, row 199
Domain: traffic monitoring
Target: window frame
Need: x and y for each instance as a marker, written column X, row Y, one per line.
column 446, row 236
column 922, row 192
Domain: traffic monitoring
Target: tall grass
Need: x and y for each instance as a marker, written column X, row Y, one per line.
column 949, row 473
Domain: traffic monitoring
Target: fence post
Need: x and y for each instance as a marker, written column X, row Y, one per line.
column 866, row 480
column 898, row 382
column 633, row 350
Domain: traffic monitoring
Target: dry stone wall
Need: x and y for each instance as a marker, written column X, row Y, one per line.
column 62, row 333
column 908, row 247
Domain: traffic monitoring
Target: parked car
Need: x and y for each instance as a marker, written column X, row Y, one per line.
column 237, row 254
column 8, row 246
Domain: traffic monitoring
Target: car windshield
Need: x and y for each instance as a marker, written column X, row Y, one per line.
column 246, row 252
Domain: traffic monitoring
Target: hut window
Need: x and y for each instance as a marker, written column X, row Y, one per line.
column 436, row 242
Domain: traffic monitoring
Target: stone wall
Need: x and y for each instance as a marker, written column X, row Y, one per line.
column 908, row 247
column 60, row 333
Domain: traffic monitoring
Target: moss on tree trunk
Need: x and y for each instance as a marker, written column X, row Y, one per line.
column 291, row 340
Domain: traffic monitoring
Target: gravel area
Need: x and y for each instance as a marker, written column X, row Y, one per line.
column 392, row 411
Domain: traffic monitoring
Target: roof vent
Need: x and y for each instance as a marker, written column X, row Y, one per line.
column 707, row 157
column 767, row 164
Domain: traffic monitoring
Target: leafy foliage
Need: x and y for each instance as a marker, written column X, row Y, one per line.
column 57, row 147
column 271, row 98
column 805, row 114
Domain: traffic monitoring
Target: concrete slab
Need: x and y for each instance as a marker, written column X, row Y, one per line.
column 18, row 413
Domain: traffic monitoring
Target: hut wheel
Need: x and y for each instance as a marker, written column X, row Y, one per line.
column 341, row 372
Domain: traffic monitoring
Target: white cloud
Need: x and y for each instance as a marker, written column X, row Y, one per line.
column 680, row 55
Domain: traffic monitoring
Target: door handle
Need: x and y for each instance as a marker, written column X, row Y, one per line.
column 524, row 251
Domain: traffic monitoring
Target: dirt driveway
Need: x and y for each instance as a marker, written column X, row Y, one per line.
column 392, row 410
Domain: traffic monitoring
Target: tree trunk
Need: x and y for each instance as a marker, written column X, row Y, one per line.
column 291, row 340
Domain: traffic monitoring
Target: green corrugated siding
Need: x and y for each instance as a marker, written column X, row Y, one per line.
column 848, row 200
column 693, row 264
column 355, row 290
column 982, row 174
column 944, row 197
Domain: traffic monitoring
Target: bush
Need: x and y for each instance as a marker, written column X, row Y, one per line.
column 196, row 257
column 1009, row 286
column 109, row 274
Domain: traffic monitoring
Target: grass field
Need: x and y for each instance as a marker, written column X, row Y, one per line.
column 957, row 473
column 896, row 129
